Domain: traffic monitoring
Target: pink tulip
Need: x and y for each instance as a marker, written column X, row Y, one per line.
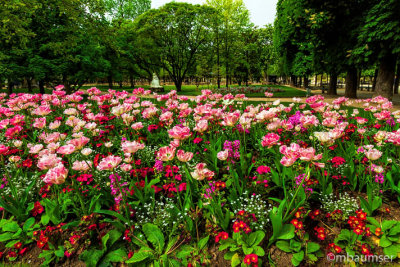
column 223, row 155
column 48, row 161
column 184, row 156
column 109, row 163
column 373, row 154
column 56, row 175
column 166, row 153
column 270, row 140
column 66, row 150
column 201, row 172
column 131, row 147
column 180, row 133
column 201, row 126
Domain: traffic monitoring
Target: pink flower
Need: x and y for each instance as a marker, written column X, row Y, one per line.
column 79, row 143
column 268, row 94
column 66, row 150
column 56, row 175
column 48, row 161
column 373, row 154
column 201, row 126
column 82, row 165
column 39, row 123
column 131, row 147
column 3, row 149
column 263, row 169
column 109, row 163
column 137, row 126
column 308, row 154
column 166, row 153
column 180, row 133
column 125, row 167
column 285, row 161
column 270, row 140
column 223, row 155
column 230, row 119
column 184, row 156
column 35, row 149
column 202, row 172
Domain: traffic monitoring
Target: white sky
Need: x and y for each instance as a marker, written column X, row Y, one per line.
column 261, row 11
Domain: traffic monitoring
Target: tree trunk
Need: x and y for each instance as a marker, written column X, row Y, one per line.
column 374, row 81
column 359, row 80
column 397, row 81
column 332, row 89
column 41, row 87
column 29, row 82
column 178, row 84
column 351, row 83
column 305, row 82
column 132, row 81
column 10, row 87
column 300, row 81
column 322, row 76
column 385, row 78
column 292, row 80
column 315, row 81
column 110, row 81
column 120, row 84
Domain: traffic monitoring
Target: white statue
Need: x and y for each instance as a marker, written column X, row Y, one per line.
column 155, row 83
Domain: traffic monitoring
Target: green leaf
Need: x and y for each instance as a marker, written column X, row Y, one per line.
column 312, row 247
column 259, row 251
column 154, row 235
column 28, row 224
column 247, row 250
column 287, row 232
column 235, row 260
column 384, row 242
column 184, row 252
column 117, row 255
column 392, row 250
column 11, row 227
column 386, row 225
column 283, row 245
column 45, row 219
column 142, row 254
column 112, row 213
column 59, row 252
column 255, row 238
column 203, row 242
column 5, row 237
column 298, row 258
column 226, row 244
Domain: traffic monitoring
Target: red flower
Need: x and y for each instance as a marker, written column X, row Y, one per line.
column 18, row 245
column 251, row 258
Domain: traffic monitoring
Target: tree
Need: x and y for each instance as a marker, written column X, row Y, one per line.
column 232, row 23
column 15, row 33
column 175, row 33
column 379, row 42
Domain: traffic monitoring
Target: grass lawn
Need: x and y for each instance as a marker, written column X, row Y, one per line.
column 191, row 90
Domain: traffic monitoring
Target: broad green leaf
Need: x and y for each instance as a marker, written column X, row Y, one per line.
column 154, row 235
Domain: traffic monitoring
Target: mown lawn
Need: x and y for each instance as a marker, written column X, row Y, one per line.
column 192, row 90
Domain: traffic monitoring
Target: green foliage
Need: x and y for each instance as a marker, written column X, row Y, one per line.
column 111, row 251
column 301, row 250
column 242, row 244
column 390, row 238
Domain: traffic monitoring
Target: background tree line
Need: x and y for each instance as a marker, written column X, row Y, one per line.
column 74, row 42
column 340, row 38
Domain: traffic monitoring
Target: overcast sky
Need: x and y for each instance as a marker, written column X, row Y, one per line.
column 261, row 11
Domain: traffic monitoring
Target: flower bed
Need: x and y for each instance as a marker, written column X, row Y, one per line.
column 117, row 178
